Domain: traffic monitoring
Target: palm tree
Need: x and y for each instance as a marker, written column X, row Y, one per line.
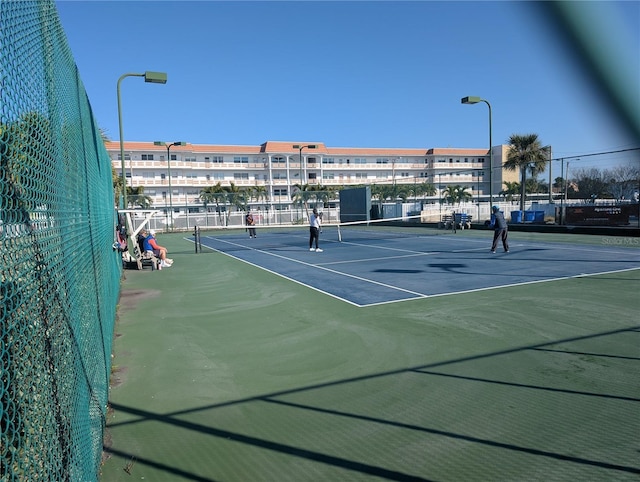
column 526, row 153
column 136, row 197
column 424, row 189
column 456, row 194
column 235, row 197
column 511, row 189
column 117, row 185
column 302, row 196
column 214, row 194
column 258, row 193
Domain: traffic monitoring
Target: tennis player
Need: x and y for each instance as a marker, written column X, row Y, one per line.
column 501, row 231
column 315, row 224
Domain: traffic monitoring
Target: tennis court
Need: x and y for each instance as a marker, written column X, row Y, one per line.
column 368, row 264
column 237, row 364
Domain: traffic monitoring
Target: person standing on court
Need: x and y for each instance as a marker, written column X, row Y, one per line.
column 315, row 224
column 251, row 224
column 501, row 231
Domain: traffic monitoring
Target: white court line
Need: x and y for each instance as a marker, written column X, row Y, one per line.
column 293, row 280
column 347, row 275
column 394, row 288
column 583, row 275
column 416, row 254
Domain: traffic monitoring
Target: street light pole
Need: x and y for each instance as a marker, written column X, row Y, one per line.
column 150, row 77
column 478, row 191
column 300, row 147
column 169, row 146
column 475, row 100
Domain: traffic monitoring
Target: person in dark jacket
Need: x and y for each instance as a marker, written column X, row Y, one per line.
column 501, row 231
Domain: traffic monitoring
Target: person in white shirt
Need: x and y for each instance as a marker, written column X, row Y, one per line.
column 315, row 224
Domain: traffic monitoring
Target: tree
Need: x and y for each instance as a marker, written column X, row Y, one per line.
column 591, row 184
column 117, row 185
column 236, row 197
column 456, row 194
column 257, row 193
column 424, row 189
column 624, row 181
column 526, row 154
column 214, row 194
column 136, row 197
column 510, row 191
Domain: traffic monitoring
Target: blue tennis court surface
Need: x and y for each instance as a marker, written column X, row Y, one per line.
column 390, row 269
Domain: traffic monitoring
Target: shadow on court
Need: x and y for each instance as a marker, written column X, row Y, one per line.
column 226, row 370
column 355, row 413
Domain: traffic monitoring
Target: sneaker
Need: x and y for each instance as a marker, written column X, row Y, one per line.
column 168, row 262
column 311, row 249
column 493, row 251
column 318, row 250
column 506, row 250
column 164, row 265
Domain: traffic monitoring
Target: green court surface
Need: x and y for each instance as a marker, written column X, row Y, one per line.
column 223, row 371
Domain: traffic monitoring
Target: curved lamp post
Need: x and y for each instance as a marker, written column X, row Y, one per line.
column 169, row 146
column 475, row 100
column 300, row 147
column 153, row 78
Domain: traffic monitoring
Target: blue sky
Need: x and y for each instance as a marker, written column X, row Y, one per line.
column 353, row 74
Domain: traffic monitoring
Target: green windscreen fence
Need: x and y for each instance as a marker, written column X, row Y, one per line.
column 60, row 276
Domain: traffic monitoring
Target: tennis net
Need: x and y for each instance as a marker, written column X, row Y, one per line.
column 355, row 231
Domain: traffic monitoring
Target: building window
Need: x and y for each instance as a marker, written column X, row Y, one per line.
column 240, row 175
column 174, row 157
column 328, row 160
column 278, row 160
column 280, row 192
column 147, row 157
column 328, row 175
column 217, row 159
column 190, row 159
column 382, row 160
column 358, row 160
column 127, row 157
column 240, row 160
column 361, row 175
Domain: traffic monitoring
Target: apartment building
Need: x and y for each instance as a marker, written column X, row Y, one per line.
column 276, row 167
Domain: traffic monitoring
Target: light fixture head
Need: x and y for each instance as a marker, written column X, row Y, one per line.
column 470, row 100
column 155, row 77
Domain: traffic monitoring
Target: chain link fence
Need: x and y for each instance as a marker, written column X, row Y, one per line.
column 60, row 276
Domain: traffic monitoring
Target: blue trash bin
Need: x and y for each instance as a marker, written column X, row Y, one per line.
column 538, row 217
column 516, row 216
column 529, row 216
